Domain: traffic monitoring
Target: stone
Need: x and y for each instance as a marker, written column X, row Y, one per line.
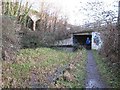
column 72, row 67
column 67, row 76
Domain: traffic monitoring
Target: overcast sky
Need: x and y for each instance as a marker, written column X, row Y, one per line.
column 70, row 8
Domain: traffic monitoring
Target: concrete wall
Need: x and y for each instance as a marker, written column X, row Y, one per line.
column 96, row 41
column 68, row 41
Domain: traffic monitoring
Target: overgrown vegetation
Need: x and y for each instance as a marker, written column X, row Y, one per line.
column 12, row 14
column 78, row 73
column 20, row 36
column 107, row 72
column 50, row 28
column 110, row 48
column 16, row 9
column 10, row 38
column 34, row 39
column 40, row 61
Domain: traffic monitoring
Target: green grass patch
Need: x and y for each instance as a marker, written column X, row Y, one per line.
column 18, row 68
column 40, row 60
column 79, row 73
column 106, row 72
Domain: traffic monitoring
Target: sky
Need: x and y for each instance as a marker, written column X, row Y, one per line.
column 70, row 8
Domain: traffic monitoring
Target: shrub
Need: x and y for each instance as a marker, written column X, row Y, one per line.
column 110, row 46
column 10, row 38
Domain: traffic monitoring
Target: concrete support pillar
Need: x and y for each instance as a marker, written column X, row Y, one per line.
column 34, row 25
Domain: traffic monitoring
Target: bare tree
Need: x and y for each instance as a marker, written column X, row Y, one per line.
column 96, row 12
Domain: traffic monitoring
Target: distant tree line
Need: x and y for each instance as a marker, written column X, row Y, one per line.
column 17, row 28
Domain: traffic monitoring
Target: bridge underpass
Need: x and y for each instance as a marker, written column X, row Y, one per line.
column 81, row 40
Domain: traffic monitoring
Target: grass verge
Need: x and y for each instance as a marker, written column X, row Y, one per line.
column 40, row 61
column 106, row 72
column 79, row 74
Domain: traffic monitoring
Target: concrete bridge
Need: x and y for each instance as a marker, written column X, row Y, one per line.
column 79, row 39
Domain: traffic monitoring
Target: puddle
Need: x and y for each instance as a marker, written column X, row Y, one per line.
column 92, row 84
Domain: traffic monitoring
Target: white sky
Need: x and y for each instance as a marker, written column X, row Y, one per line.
column 69, row 8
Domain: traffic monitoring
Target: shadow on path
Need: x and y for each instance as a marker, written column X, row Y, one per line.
column 93, row 79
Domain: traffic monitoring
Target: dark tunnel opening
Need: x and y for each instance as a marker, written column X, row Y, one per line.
column 81, row 40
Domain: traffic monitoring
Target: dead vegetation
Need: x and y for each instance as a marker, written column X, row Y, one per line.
column 110, row 46
column 74, row 75
column 33, row 67
column 10, row 38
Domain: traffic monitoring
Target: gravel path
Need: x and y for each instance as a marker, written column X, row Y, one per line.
column 93, row 79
